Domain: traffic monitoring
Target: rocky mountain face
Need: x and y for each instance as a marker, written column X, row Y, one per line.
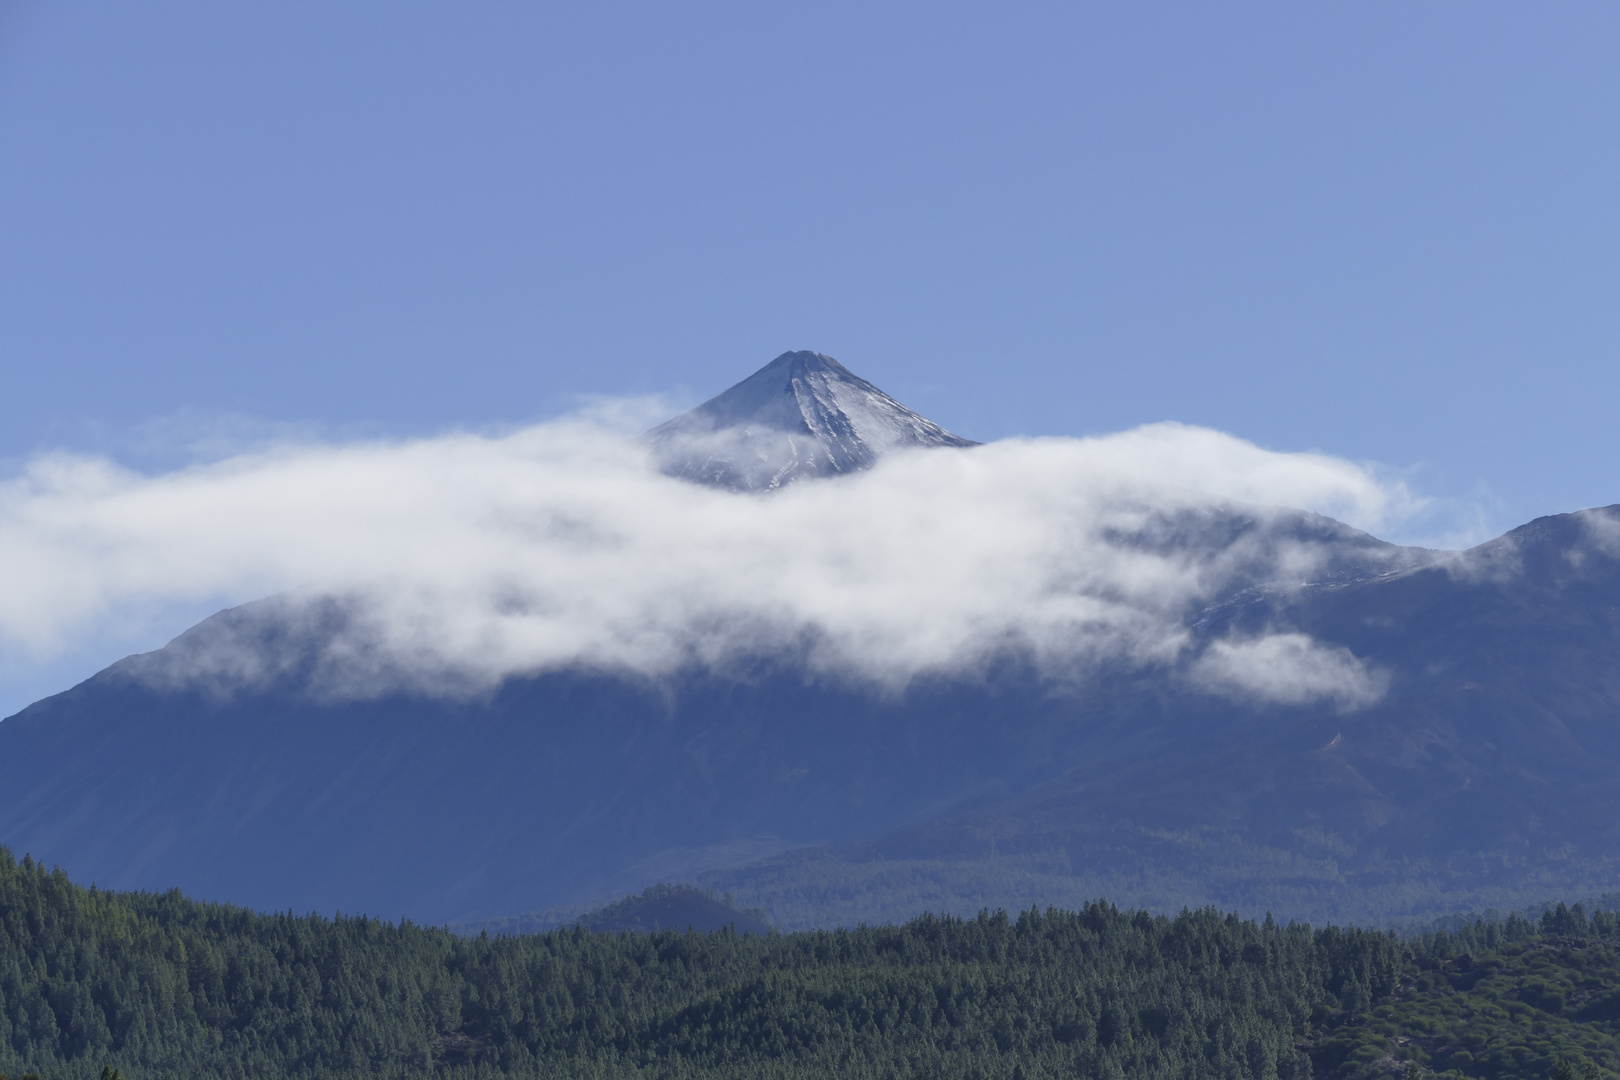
column 1487, row 773
column 801, row 415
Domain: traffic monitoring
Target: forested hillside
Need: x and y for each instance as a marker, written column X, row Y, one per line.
column 159, row 985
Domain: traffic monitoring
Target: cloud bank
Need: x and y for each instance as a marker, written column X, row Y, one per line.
column 464, row 559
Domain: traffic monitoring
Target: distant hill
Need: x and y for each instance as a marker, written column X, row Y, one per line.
column 658, row 907
column 1486, row 773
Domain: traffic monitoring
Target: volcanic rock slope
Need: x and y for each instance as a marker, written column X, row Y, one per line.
column 1488, row 773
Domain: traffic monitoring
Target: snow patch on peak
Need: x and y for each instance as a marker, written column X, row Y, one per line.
column 803, row 414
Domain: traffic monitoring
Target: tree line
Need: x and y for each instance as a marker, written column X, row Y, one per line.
column 156, row 984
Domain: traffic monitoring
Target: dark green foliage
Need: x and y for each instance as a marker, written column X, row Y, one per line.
column 161, row 985
column 1498, row 1000
column 139, row 985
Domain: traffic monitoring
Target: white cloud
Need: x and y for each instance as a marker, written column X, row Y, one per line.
column 1288, row 669
column 471, row 557
column 1602, row 532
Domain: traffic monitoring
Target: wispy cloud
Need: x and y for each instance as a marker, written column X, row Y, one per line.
column 1288, row 669
column 463, row 559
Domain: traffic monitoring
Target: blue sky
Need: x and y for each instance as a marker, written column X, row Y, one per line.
column 1387, row 231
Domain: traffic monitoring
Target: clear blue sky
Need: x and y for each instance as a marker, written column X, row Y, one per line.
column 1389, row 231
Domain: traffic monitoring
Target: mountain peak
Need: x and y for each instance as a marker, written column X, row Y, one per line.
column 803, row 414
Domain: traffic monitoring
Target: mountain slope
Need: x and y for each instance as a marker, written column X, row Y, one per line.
column 1476, row 761
column 801, row 415
column 558, row 789
column 1488, row 774
column 1496, row 747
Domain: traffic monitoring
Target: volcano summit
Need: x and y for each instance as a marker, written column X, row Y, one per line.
column 803, row 414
